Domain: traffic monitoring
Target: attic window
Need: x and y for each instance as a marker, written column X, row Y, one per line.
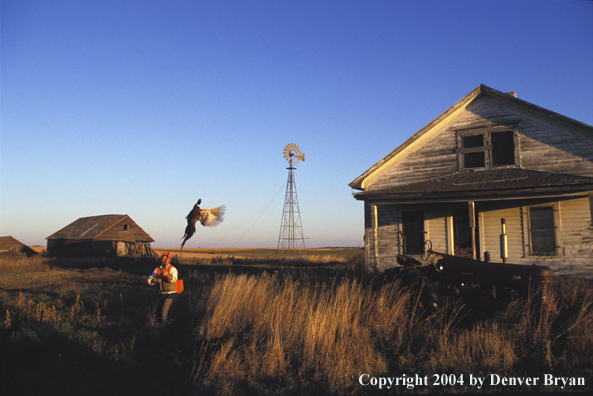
column 125, row 227
column 474, row 159
column 487, row 148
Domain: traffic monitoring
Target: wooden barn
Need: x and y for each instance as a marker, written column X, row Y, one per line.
column 10, row 244
column 491, row 157
column 101, row 236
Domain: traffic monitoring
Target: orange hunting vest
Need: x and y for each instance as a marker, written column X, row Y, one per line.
column 167, row 287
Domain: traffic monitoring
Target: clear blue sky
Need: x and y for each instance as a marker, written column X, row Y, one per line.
column 142, row 107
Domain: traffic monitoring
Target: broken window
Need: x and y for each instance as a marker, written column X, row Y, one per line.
column 484, row 148
column 503, row 148
column 474, row 159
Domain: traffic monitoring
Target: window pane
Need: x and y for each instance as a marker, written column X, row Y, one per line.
column 473, row 141
column 541, row 218
column 503, row 151
column 542, row 230
column 543, row 242
column 413, row 229
column 462, row 233
column 474, row 160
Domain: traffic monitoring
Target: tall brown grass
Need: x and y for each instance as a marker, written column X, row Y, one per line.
column 272, row 329
column 319, row 337
column 19, row 262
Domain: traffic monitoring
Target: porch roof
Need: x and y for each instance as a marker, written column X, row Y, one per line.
column 493, row 183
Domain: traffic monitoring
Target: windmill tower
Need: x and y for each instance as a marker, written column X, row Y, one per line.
column 291, row 230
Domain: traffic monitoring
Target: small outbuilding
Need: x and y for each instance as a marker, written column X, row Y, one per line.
column 490, row 165
column 10, row 244
column 101, row 236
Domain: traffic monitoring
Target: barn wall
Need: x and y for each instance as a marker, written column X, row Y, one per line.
column 127, row 249
column 11, row 245
column 117, row 233
column 97, row 248
column 69, row 247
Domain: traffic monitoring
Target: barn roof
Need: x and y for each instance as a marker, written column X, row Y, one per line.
column 481, row 90
column 94, row 226
column 3, row 239
column 499, row 182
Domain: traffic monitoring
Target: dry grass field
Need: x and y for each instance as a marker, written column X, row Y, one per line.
column 268, row 326
column 315, row 255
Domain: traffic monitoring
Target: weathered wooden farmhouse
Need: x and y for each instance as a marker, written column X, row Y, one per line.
column 102, row 236
column 489, row 158
column 10, row 244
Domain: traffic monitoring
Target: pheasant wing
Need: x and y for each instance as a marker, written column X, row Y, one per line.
column 211, row 217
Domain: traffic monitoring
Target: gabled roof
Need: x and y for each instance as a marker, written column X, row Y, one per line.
column 485, row 183
column 358, row 183
column 92, row 227
column 7, row 238
column 9, row 243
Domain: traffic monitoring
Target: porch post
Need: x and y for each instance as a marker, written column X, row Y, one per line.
column 471, row 207
column 591, row 205
column 375, row 244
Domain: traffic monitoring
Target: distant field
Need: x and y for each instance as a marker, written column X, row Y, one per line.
column 338, row 254
column 39, row 249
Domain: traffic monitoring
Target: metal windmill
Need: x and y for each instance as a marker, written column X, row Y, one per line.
column 291, row 230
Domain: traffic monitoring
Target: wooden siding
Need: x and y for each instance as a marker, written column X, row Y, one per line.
column 545, row 141
column 574, row 236
column 388, row 235
column 431, row 159
column 577, row 238
column 9, row 244
column 541, row 150
column 117, row 233
column 437, row 229
column 490, row 230
column 100, row 236
column 577, row 231
column 389, row 243
column 69, row 247
column 542, row 146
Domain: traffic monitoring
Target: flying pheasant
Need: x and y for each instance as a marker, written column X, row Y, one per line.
column 209, row 217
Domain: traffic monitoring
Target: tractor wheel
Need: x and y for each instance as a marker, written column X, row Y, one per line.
column 425, row 297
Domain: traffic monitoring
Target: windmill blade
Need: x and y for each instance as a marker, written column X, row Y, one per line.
column 292, row 154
